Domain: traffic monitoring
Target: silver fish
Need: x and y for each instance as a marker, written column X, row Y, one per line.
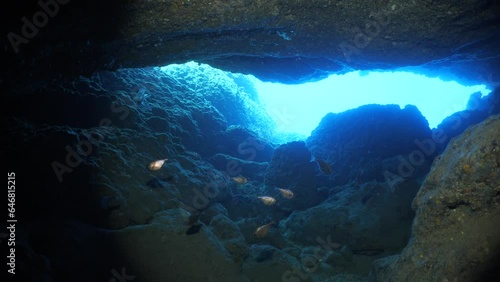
column 156, row 165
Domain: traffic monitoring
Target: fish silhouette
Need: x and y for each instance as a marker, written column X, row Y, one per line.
column 323, row 166
column 240, row 179
column 288, row 194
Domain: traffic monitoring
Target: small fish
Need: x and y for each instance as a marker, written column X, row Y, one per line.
column 323, row 166
column 262, row 231
column 268, row 201
column 3, row 236
column 159, row 182
column 240, row 179
column 286, row 193
column 156, row 165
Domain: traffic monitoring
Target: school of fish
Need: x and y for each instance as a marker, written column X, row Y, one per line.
column 261, row 231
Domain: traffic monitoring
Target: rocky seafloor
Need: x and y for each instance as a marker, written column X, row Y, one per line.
column 403, row 203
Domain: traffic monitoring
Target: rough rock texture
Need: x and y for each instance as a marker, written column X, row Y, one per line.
column 233, row 95
column 455, row 234
column 369, row 215
column 477, row 110
column 160, row 251
column 278, row 40
column 230, row 236
column 84, row 145
column 239, row 142
column 266, row 263
column 250, row 169
column 112, row 134
column 290, row 169
column 356, row 142
column 80, row 136
column 364, row 217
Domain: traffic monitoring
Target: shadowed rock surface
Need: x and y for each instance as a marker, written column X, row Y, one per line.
column 87, row 110
column 357, row 149
column 455, row 234
column 477, row 110
column 91, row 152
column 91, row 168
column 287, row 41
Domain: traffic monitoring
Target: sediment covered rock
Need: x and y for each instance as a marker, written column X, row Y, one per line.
column 455, row 234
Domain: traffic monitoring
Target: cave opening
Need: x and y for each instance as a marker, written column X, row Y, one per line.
column 293, row 111
column 300, row 108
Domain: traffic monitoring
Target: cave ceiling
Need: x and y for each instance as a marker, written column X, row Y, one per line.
column 275, row 40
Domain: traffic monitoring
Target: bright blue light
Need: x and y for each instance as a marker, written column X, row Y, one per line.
column 299, row 108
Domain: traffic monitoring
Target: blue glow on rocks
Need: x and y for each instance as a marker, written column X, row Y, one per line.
column 289, row 112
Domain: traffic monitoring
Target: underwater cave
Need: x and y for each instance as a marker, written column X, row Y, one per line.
column 247, row 141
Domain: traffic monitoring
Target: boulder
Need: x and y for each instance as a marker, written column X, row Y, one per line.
column 455, row 234
column 370, row 219
column 266, row 263
column 230, row 236
column 355, row 142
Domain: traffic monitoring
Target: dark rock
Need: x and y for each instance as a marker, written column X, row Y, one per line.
column 291, row 169
column 454, row 125
column 110, row 202
column 478, row 109
column 193, row 229
column 265, row 255
column 495, row 101
column 355, row 142
column 211, row 211
column 268, row 263
column 276, row 40
column 41, row 256
column 235, row 167
column 368, row 252
column 60, row 93
column 230, row 236
column 167, row 254
column 368, row 217
column 341, row 259
column 476, row 103
column 244, row 144
column 160, row 182
column 235, row 100
column 455, row 232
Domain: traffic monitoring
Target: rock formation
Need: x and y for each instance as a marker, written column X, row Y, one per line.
column 274, row 40
column 88, row 108
column 455, row 234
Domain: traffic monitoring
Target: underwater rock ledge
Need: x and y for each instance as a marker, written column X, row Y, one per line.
column 287, row 41
column 456, row 233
